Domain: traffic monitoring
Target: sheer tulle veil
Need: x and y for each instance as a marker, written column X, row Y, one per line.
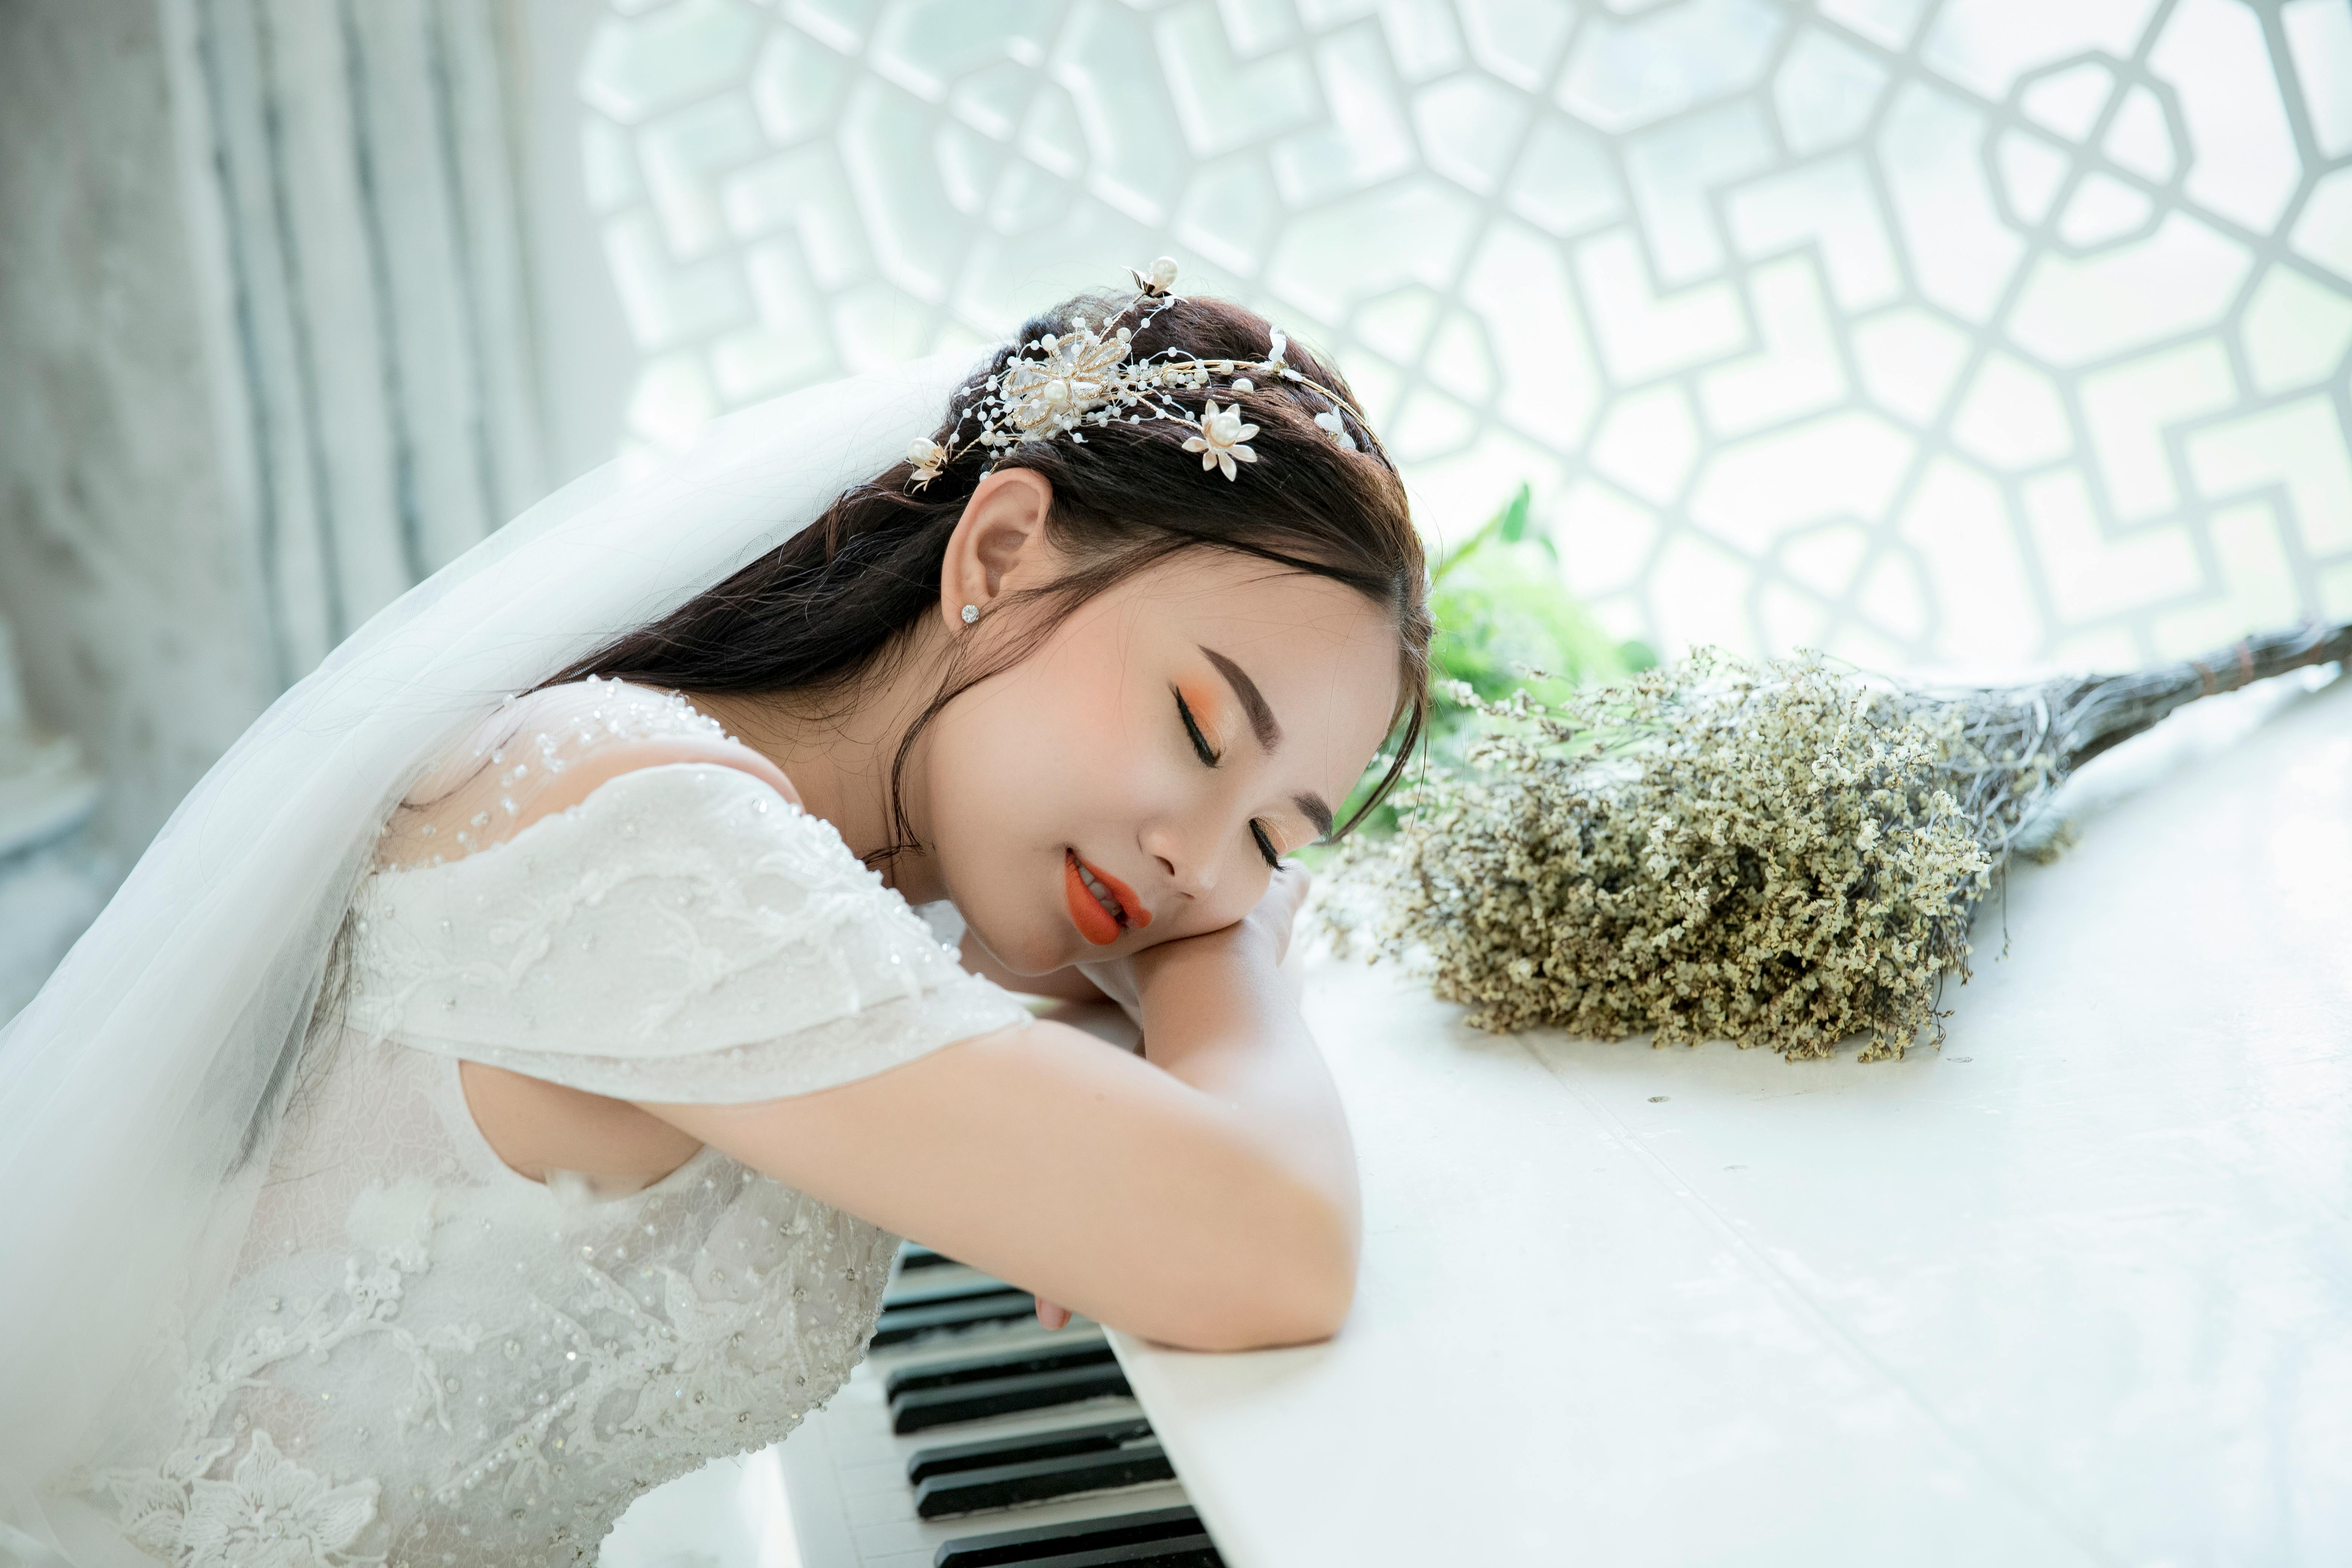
column 137, row 1090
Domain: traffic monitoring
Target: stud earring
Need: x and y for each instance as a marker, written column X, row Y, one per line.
column 970, row 613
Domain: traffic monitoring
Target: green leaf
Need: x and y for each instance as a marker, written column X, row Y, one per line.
column 1502, row 610
column 1513, row 518
column 1507, row 524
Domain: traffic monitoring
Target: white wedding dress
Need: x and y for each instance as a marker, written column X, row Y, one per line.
column 424, row 1358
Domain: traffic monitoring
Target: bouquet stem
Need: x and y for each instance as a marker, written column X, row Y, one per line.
column 2106, row 710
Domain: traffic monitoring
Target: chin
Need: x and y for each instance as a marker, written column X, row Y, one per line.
column 1017, row 913
column 1021, row 946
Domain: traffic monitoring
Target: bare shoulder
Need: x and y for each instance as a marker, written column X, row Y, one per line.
column 577, row 783
column 548, row 752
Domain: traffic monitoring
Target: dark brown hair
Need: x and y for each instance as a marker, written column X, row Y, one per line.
column 817, row 613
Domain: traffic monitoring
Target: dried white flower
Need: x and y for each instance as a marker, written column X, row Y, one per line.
column 1782, row 854
column 1707, row 851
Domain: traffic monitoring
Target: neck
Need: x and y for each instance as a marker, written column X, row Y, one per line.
column 838, row 749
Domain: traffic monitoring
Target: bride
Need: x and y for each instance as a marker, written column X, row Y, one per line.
column 501, row 1088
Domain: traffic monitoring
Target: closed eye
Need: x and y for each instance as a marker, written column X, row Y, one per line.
column 1209, row 758
column 1208, row 755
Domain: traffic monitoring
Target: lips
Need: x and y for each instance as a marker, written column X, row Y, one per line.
column 1099, row 921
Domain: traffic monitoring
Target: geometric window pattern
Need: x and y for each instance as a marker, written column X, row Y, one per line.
column 1953, row 332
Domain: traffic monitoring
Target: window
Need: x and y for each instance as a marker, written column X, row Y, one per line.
column 1979, row 332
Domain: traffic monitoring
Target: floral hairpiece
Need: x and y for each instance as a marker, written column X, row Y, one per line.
column 1060, row 383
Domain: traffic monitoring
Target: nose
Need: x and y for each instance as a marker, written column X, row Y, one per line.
column 1185, row 858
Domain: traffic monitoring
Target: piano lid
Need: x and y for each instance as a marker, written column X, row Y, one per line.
column 2073, row 1290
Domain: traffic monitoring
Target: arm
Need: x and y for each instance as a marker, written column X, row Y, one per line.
column 1206, row 1196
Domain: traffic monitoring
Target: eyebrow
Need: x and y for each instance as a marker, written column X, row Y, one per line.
column 1269, row 732
column 1261, row 717
column 1317, row 812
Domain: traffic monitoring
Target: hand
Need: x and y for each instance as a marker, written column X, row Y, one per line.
column 1277, row 912
column 1269, row 921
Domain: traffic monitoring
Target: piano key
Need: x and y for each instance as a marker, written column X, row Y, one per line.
column 1071, row 1348
column 911, row 1256
column 903, row 1323
column 948, row 1458
column 1191, row 1552
column 1039, row 1481
column 1164, row 1530
column 924, row 1409
column 846, row 1470
column 958, row 1285
column 879, row 1527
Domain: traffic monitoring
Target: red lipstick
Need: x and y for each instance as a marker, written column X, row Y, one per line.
column 1096, row 923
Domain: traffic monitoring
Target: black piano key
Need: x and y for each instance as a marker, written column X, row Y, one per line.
column 995, row 1365
column 913, row 1256
column 922, row 1409
column 947, row 1458
column 902, row 1323
column 1189, row 1552
column 1160, row 1529
column 1040, row 1480
column 922, row 1293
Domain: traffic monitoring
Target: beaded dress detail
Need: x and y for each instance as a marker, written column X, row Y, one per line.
column 429, row 1359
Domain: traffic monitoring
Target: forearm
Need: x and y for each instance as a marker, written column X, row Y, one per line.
column 1220, row 1014
column 1204, row 1195
column 1085, row 1175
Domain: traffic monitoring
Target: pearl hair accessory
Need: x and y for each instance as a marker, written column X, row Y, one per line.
column 970, row 613
column 1059, row 384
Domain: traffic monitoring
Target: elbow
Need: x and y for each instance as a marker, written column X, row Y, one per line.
column 1291, row 1283
column 1302, row 1313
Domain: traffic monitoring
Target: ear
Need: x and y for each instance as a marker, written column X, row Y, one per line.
column 998, row 544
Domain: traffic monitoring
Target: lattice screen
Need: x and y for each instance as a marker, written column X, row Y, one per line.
column 1976, row 332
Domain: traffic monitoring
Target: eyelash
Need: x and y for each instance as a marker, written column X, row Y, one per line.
column 1209, row 759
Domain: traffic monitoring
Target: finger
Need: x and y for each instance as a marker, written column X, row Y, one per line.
column 1050, row 1315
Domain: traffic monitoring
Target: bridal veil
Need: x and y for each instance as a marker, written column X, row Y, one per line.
column 138, row 1088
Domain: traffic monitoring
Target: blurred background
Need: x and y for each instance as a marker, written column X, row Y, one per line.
column 1944, row 335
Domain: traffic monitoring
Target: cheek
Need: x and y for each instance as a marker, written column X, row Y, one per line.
column 1045, row 756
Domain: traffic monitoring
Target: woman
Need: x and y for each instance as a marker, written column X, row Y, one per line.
column 513, row 1103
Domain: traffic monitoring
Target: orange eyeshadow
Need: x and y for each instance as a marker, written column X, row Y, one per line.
column 1207, row 712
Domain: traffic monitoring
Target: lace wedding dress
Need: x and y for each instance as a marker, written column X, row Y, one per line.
column 427, row 1359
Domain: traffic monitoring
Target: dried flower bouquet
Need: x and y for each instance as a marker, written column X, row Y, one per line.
column 1783, row 854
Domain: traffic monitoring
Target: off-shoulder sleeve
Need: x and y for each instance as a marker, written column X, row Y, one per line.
column 684, row 934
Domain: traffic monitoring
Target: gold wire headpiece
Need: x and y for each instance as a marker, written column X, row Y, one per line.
column 1062, row 383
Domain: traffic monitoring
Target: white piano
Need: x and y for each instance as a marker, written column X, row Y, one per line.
column 2076, row 1290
